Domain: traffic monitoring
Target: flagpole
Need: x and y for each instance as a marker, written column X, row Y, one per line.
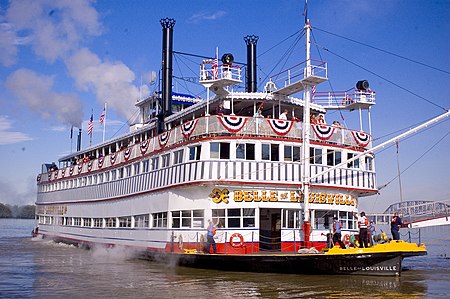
column 104, row 124
column 71, row 139
column 92, row 128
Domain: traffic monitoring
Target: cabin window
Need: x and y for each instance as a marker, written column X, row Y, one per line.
column 128, row 171
column 347, row 220
column 136, row 168
column 159, row 219
column 270, row 152
column 219, row 150
column 100, row 178
column 178, row 157
column 107, row 176
column 120, row 173
column 77, row 221
column 248, row 217
column 352, row 164
column 165, row 160
column 98, row 222
column 333, row 157
column 315, row 155
column 219, row 215
column 125, row 221
column 194, row 152
column 323, row 219
column 187, row 218
column 87, row 222
column 292, row 218
column 245, row 151
column 145, row 166
column 113, row 175
column 69, row 221
column 292, row 153
column 141, row 220
column 155, row 163
column 111, row 222
column 369, row 163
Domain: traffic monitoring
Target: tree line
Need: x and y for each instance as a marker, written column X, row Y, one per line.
column 24, row 212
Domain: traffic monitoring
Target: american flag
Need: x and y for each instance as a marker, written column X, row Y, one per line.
column 215, row 68
column 313, row 91
column 91, row 125
column 102, row 117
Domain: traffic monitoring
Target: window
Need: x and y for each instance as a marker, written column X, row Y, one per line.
column 234, row 217
column 187, row 218
column 292, row 218
column 120, row 173
column 198, row 218
column 178, row 157
column 128, row 171
column 136, row 168
column 369, row 163
column 125, row 221
column 107, row 176
column 292, row 153
column 141, row 220
column 100, row 178
column 111, row 222
column 245, row 151
column 315, row 155
column 219, row 214
column 323, row 219
column 333, row 157
column 194, row 152
column 77, row 221
column 347, row 220
column 270, row 152
column 145, row 166
column 87, row 222
column 155, row 163
column 248, row 219
column 113, row 175
column 98, row 222
column 159, row 219
column 219, row 150
column 354, row 163
column 165, row 160
column 69, row 221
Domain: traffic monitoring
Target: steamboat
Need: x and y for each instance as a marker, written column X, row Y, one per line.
column 272, row 184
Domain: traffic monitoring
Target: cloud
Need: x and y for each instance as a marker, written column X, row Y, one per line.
column 53, row 28
column 11, row 195
column 10, row 137
column 206, row 16
column 110, row 81
column 35, row 92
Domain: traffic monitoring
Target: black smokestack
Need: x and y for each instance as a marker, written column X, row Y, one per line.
column 167, row 49
column 79, row 140
column 251, row 41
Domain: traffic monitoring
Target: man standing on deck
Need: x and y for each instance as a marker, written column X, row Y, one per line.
column 337, row 236
column 362, row 223
column 396, row 222
column 210, row 237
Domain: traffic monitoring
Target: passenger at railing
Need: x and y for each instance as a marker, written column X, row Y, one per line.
column 313, row 119
column 284, row 115
column 337, row 124
column 220, row 110
column 321, row 119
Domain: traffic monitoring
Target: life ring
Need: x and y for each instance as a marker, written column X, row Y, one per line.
column 180, row 242
column 237, row 244
column 346, row 240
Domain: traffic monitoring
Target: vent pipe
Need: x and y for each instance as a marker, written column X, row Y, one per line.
column 251, row 41
column 167, row 50
column 79, row 140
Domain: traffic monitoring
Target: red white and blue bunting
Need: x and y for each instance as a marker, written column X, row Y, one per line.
column 163, row 138
column 233, row 123
column 63, row 172
column 112, row 158
column 279, row 126
column 127, row 153
column 89, row 165
column 80, row 167
column 38, row 178
column 323, row 132
column 100, row 162
column 361, row 138
column 144, row 146
column 71, row 168
column 188, row 127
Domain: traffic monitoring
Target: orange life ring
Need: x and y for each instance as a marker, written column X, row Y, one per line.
column 346, row 240
column 237, row 244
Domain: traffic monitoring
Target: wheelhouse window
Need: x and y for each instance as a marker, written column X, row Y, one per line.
column 292, row 153
column 219, row 150
column 354, row 163
column 315, row 155
column 369, row 163
column 194, row 152
column 245, row 151
column 333, row 157
column 270, row 152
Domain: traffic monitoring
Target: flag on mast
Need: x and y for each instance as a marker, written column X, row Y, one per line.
column 91, row 124
column 102, row 117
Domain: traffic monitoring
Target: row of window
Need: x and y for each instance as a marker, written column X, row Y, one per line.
column 218, row 150
column 228, row 218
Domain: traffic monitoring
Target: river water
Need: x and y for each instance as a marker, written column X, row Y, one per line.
column 41, row 268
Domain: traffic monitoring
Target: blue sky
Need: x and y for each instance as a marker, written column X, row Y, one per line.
column 60, row 59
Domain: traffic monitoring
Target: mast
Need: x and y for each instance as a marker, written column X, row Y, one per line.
column 306, row 139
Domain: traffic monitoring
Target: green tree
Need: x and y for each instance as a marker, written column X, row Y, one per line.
column 5, row 212
column 26, row 212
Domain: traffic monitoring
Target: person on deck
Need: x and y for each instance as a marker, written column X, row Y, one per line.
column 337, row 236
column 362, row 224
column 220, row 109
column 210, row 237
column 372, row 231
column 396, row 222
column 284, row 114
